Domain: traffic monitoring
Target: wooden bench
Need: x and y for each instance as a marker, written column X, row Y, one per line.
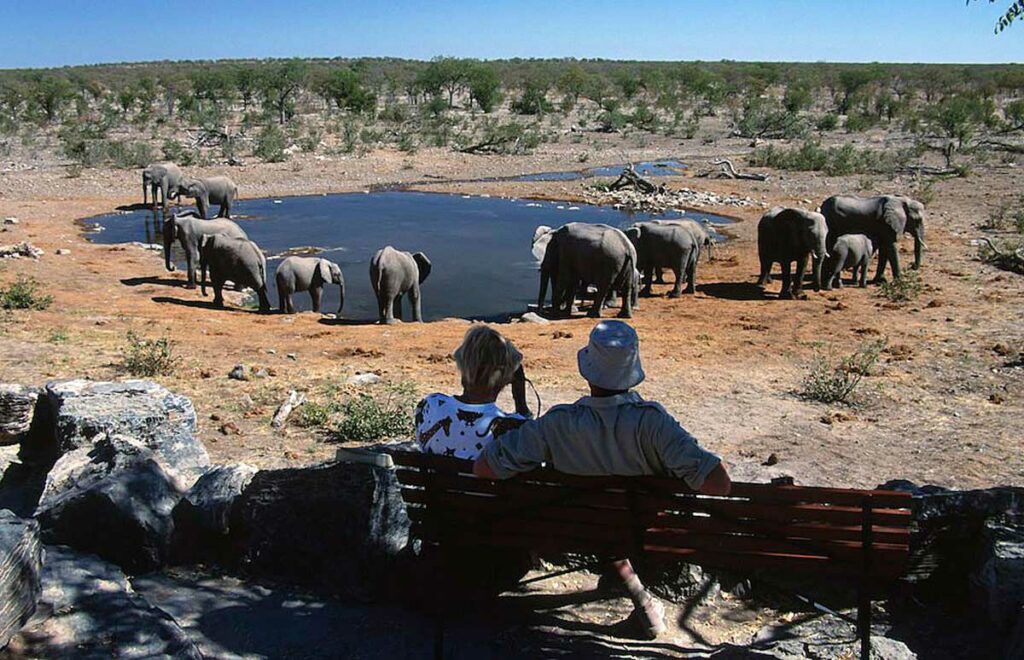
column 861, row 536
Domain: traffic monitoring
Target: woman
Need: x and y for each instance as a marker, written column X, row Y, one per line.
column 462, row 425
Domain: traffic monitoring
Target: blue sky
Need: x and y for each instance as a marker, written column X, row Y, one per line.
column 58, row 32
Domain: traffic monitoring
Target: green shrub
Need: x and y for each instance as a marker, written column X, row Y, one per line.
column 310, row 141
column 393, row 113
column 860, row 121
column 831, row 381
column 24, row 293
column 827, row 122
column 176, row 152
column 644, row 118
column 766, row 118
column 315, row 415
column 905, row 288
column 611, row 121
column 269, row 145
column 533, row 101
column 366, row 417
column 811, row 156
column 129, row 155
column 148, row 357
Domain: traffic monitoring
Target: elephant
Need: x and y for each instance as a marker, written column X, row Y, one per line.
column 211, row 190
column 674, row 246
column 307, row 274
column 188, row 228
column 163, row 177
column 699, row 229
column 541, row 237
column 785, row 235
column 849, row 251
column 236, row 259
column 393, row 274
column 592, row 253
column 883, row 219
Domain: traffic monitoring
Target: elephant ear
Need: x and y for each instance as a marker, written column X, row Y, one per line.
column 324, row 268
column 423, row 264
column 633, row 234
column 894, row 215
column 542, row 230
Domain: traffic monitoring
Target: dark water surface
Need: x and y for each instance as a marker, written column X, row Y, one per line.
column 479, row 246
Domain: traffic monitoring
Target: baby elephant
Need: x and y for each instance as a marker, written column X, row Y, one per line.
column 211, row 190
column 236, row 259
column 850, row 251
column 307, row 274
column 393, row 274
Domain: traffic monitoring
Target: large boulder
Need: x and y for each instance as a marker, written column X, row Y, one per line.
column 17, row 405
column 337, row 525
column 89, row 610
column 21, row 556
column 202, row 517
column 998, row 581
column 76, row 412
column 113, row 498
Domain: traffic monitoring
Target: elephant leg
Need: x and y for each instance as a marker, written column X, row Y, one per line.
column 626, row 312
column 691, row 273
column 314, row 296
column 264, row 300
column 834, row 274
column 883, row 259
column 680, row 272
column 387, row 309
column 218, row 292
column 766, row 272
column 602, row 293
column 816, row 265
column 414, row 302
column 786, row 293
column 863, row 273
column 282, row 301
column 648, row 280
column 798, row 279
column 660, row 276
column 396, row 306
column 894, row 260
column 191, row 259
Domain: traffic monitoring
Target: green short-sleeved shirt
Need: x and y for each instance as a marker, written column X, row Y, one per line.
column 617, row 435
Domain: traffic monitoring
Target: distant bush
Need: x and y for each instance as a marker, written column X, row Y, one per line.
column 811, row 156
column 860, row 121
column 831, row 381
column 270, row 145
column 24, row 293
column 393, row 113
column 767, row 118
column 176, row 152
column 366, row 417
column 532, row 102
column 148, row 357
column 644, row 118
column 611, row 121
column 827, row 122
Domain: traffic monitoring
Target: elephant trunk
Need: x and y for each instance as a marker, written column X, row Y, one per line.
column 341, row 298
column 168, row 239
column 918, row 247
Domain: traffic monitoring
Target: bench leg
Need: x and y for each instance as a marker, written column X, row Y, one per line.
column 864, row 622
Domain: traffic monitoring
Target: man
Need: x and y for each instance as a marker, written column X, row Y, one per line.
column 611, row 432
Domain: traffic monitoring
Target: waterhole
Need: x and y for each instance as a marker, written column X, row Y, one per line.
column 479, row 246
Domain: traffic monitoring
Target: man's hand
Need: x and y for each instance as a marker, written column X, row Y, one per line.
column 717, row 483
column 482, row 469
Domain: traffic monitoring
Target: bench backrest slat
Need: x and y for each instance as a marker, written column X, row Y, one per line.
column 757, row 525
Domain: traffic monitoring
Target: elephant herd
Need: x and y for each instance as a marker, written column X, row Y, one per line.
column 221, row 248
column 846, row 233
column 593, row 263
column 170, row 182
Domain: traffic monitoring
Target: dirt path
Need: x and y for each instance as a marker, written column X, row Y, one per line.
column 942, row 408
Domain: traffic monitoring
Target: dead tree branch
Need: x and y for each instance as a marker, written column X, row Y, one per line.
column 293, row 401
column 630, row 179
column 728, row 171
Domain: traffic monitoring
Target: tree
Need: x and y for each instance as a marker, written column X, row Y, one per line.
column 343, row 87
column 246, row 80
column 534, row 100
column 1014, row 12
column 50, row 93
column 279, row 84
column 444, row 74
column 484, row 86
column 573, row 83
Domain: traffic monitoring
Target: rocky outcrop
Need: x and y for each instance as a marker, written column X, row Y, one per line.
column 997, row 584
column 75, row 412
column 113, row 498
column 17, row 403
column 21, row 558
column 202, row 517
column 342, row 526
column 88, row 610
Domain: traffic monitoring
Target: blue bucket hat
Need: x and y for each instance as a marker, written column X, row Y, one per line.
column 611, row 359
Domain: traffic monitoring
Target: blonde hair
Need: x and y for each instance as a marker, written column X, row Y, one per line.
column 486, row 358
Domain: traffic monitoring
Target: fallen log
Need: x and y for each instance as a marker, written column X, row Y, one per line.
column 630, row 179
column 728, row 171
column 293, row 401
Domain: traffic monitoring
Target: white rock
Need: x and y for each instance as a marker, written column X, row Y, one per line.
column 533, row 317
column 62, row 251
column 360, row 380
column 11, row 220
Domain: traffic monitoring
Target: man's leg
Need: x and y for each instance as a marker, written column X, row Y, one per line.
column 647, row 608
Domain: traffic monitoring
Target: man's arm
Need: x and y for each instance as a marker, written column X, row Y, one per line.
column 716, row 483
column 515, row 451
